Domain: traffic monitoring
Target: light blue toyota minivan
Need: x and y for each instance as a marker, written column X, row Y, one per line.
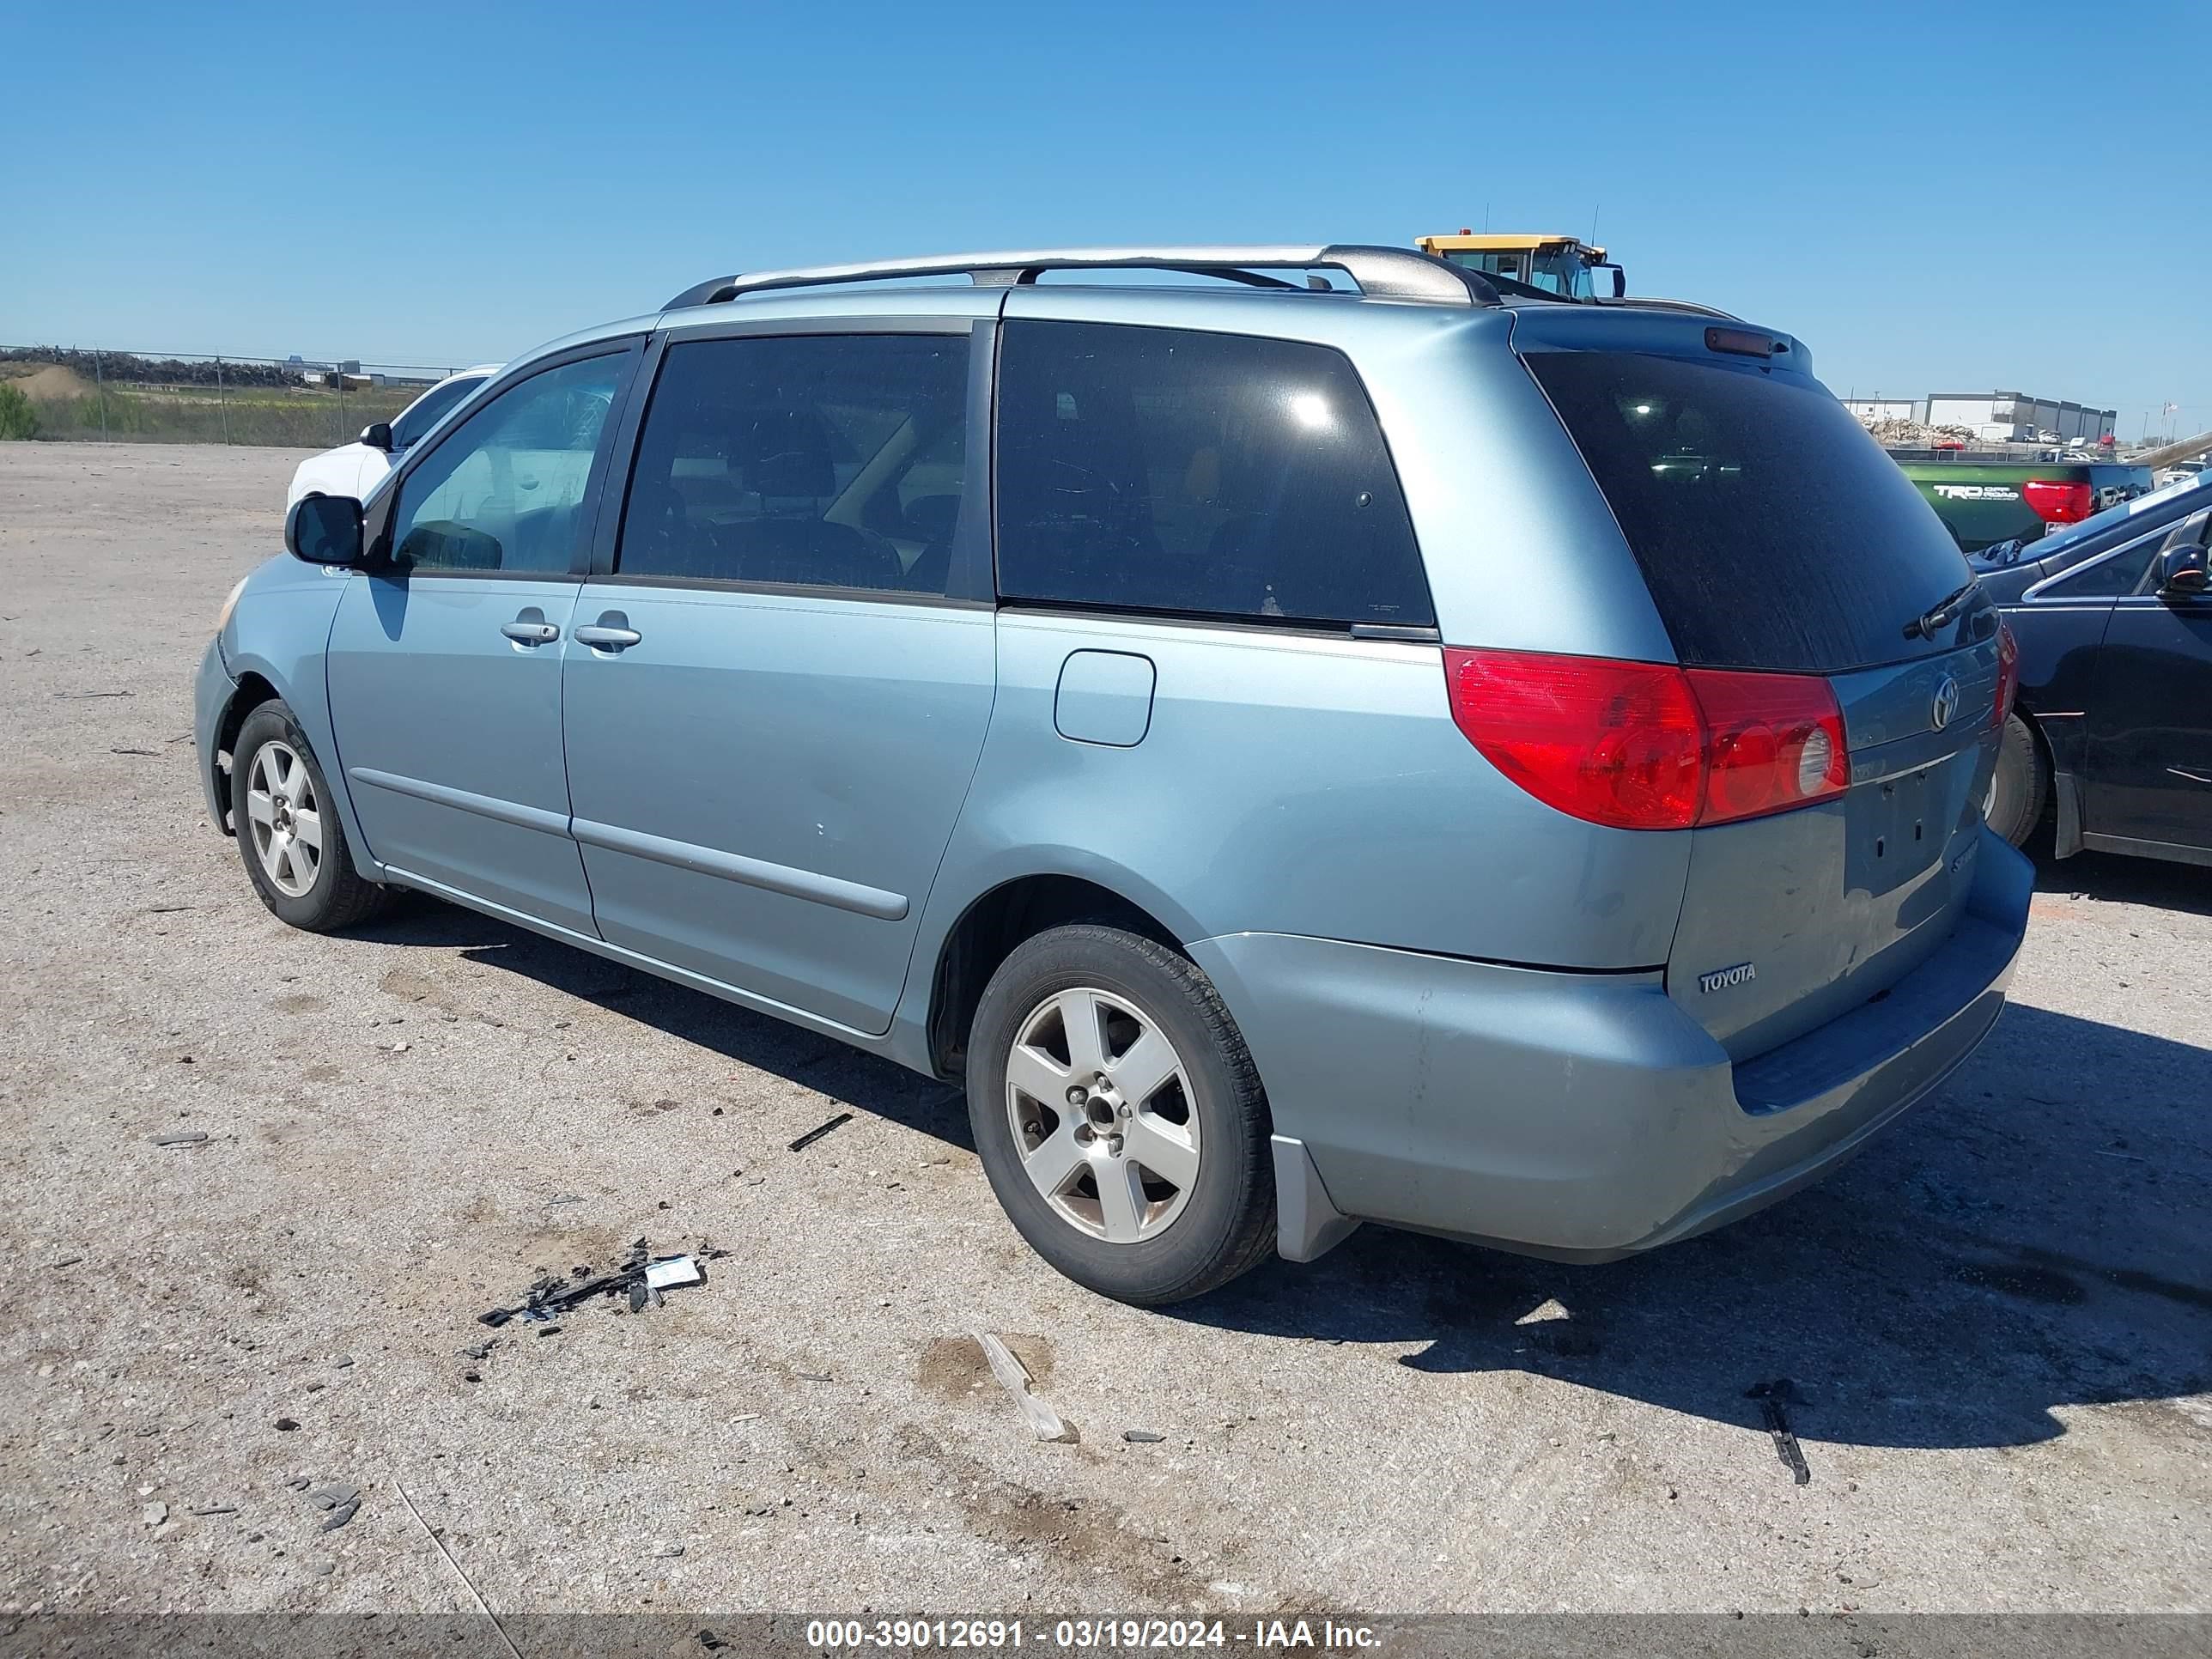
column 1320, row 735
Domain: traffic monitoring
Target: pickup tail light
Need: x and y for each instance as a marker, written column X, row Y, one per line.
column 2007, row 672
column 2058, row 503
column 1641, row 746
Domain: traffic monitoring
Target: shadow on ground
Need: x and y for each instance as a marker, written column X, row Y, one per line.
column 2030, row 1240
column 862, row 1081
column 2120, row 880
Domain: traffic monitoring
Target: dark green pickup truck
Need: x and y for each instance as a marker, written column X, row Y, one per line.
column 1983, row 498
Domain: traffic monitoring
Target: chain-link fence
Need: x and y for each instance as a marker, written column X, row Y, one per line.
column 186, row 397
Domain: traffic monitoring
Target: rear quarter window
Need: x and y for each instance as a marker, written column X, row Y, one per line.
column 1772, row 531
column 1197, row 474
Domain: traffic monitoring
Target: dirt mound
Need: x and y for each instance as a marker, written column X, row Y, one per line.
column 43, row 381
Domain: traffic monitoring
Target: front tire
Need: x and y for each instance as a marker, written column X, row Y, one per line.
column 289, row 832
column 1120, row 1117
column 2019, row 785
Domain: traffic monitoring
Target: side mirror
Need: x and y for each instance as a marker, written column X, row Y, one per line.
column 2182, row 572
column 2181, row 562
column 325, row 530
column 377, row 434
column 1619, row 279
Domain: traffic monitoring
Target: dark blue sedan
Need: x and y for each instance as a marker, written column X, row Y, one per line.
column 2113, row 726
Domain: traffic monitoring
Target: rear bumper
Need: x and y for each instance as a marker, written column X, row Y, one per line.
column 212, row 690
column 1580, row 1116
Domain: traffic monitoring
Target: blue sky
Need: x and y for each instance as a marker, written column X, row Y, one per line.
column 1956, row 198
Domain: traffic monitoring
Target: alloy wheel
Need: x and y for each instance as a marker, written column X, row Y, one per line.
column 285, row 819
column 1100, row 1106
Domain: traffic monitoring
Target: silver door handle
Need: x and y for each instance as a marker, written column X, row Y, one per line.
column 529, row 633
column 606, row 639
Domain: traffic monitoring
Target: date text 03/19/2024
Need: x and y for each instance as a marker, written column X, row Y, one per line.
column 1100, row 1635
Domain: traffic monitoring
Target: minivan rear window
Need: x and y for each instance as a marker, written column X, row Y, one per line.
column 1771, row 530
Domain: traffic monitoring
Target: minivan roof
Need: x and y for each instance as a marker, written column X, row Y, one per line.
column 1270, row 306
column 1393, row 274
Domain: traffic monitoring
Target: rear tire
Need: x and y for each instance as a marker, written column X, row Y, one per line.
column 1152, row 1182
column 288, row 827
column 2019, row 785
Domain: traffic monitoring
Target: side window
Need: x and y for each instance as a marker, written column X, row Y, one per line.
column 2111, row 578
column 425, row 412
column 505, row 490
column 1201, row 474
column 832, row 460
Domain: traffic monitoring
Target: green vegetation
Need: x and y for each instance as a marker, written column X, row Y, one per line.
column 294, row 421
column 311, row 419
column 17, row 418
column 64, row 395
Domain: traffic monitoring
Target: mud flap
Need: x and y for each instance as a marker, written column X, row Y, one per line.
column 2066, row 791
column 1307, row 1225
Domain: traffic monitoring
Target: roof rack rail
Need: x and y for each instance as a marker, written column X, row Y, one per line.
column 1389, row 273
column 1688, row 307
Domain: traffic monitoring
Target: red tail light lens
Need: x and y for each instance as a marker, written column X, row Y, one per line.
column 1639, row 746
column 2058, row 503
column 2007, row 672
column 1614, row 743
column 1773, row 742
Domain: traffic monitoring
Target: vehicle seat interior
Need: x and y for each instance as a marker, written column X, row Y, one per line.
column 791, row 467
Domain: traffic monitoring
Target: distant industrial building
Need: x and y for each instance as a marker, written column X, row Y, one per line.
column 1996, row 417
column 1884, row 408
column 2014, row 418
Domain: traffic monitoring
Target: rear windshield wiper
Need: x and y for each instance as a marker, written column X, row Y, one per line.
column 1923, row 626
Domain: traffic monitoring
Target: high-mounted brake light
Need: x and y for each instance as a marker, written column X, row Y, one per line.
column 1743, row 342
column 2058, row 503
column 2007, row 672
column 1641, row 746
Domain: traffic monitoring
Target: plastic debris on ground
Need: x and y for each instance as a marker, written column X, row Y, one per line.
column 1044, row 1422
column 641, row 1276
column 339, row 1503
column 815, row 1134
column 1771, row 1397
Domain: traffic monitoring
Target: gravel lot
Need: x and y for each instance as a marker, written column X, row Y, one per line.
column 1999, row 1319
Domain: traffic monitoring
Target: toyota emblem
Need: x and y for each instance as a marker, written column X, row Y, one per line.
column 1946, row 703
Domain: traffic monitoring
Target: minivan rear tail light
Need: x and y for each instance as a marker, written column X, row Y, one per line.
column 2008, row 672
column 1640, row 746
column 2058, row 503
column 1773, row 742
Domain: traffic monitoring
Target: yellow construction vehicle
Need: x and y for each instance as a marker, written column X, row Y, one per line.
column 1556, row 265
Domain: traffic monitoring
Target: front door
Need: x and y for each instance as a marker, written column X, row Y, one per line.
column 775, row 700
column 445, row 660
column 2150, row 720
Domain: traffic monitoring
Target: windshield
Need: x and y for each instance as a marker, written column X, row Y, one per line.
column 423, row 413
column 2060, row 540
column 1561, row 272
